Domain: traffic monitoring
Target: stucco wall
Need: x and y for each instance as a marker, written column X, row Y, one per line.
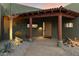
column 71, row 32
column 1, row 21
column 19, row 26
column 76, row 27
column 74, row 32
column 67, row 32
column 54, row 27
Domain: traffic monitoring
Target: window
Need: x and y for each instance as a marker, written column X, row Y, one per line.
column 69, row 25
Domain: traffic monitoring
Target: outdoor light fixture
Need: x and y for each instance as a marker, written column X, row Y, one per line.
column 40, row 28
column 33, row 25
column 69, row 25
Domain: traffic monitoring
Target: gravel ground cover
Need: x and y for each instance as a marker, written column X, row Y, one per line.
column 41, row 48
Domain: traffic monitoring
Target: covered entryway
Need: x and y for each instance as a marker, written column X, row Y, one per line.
column 43, row 28
column 37, row 28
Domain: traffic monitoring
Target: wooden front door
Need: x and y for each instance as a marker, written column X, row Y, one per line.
column 48, row 29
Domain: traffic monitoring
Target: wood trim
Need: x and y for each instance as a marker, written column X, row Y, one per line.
column 48, row 15
column 51, row 11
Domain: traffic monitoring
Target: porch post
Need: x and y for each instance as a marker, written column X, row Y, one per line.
column 59, row 30
column 11, row 28
column 30, row 28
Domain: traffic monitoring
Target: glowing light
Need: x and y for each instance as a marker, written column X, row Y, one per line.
column 33, row 25
column 11, row 29
column 40, row 28
column 69, row 25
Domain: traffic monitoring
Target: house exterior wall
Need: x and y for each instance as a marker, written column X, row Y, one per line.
column 54, row 27
column 66, row 32
column 71, row 32
column 1, row 21
column 76, row 27
column 20, row 26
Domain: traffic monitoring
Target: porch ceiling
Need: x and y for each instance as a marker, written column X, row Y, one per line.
column 50, row 12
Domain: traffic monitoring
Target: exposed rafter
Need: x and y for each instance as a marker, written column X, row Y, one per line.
column 51, row 12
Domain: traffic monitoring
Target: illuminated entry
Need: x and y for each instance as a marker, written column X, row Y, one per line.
column 33, row 26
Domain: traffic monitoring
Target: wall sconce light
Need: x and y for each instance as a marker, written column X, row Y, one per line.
column 33, row 25
column 40, row 28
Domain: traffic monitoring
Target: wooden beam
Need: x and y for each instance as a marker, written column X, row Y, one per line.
column 53, row 14
column 45, row 15
column 60, row 27
column 68, row 16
